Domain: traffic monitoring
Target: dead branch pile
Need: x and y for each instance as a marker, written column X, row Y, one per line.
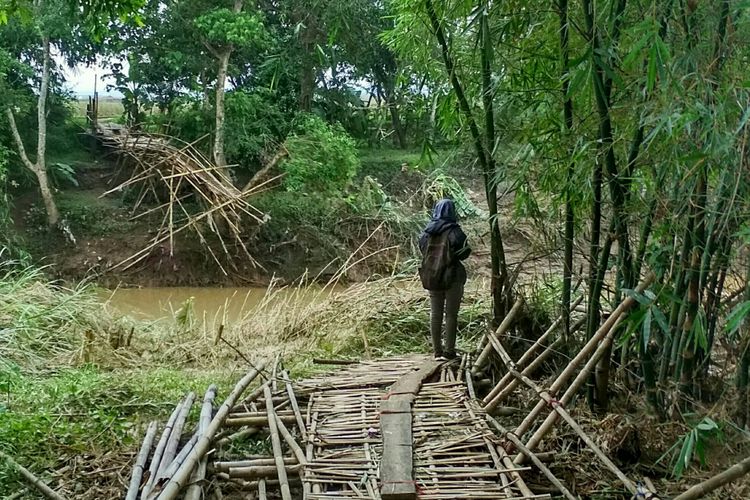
column 174, row 172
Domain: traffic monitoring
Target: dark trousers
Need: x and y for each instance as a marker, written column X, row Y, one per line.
column 445, row 303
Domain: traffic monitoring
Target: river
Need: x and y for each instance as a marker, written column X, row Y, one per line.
column 228, row 304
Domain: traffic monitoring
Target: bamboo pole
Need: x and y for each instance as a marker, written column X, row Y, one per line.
column 173, row 467
column 522, row 362
column 295, row 406
column 159, row 451
column 547, row 399
column 580, row 379
column 140, row 463
column 701, row 489
column 180, row 478
column 170, row 450
column 195, row 489
column 504, row 327
column 590, row 346
column 296, row 449
column 32, row 479
column 540, row 465
column 276, row 444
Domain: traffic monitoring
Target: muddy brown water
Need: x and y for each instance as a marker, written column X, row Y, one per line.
column 225, row 304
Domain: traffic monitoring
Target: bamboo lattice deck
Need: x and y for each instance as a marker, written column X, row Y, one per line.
column 455, row 452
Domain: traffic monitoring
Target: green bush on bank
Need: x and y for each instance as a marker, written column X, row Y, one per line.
column 322, row 157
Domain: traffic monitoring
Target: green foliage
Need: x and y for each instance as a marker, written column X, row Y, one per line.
column 224, row 27
column 693, row 445
column 322, row 157
column 61, row 175
column 254, row 124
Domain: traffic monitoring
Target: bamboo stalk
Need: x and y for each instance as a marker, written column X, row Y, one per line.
column 549, row 400
column 291, row 441
column 590, row 346
column 173, row 467
column 32, row 479
column 170, row 450
column 140, row 463
column 159, row 451
column 264, row 471
column 504, row 327
column 276, row 445
column 180, row 478
column 522, row 362
column 701, row 489
column 580, row 379
column 195, row 489
column 540, row 465
column 295, row 406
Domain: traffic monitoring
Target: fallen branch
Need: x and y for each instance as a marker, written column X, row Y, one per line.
column 32, row 479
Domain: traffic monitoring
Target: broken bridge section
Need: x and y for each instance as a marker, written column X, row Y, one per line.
column 403, row 428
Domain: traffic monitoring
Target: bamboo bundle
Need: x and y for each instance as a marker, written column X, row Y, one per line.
column 170, row 449
column 180, row 478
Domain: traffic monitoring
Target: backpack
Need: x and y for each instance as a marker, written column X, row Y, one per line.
column 436, row 271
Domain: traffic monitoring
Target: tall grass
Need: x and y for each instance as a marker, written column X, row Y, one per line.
column 43, row 324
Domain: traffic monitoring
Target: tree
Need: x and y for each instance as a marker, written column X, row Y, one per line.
column 221, row 31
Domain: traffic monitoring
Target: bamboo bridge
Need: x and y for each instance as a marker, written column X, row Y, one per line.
column 391, row 429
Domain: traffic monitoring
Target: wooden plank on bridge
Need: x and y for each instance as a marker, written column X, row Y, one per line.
column 397, row 462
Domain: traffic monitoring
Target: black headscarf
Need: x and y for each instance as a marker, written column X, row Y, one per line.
column 443, row 217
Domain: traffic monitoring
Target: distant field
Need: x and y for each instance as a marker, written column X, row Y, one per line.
column 109, row 107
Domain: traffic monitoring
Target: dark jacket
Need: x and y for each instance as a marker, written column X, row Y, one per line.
column 444, row 219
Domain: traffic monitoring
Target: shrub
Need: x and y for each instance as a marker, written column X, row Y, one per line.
column 322, row 157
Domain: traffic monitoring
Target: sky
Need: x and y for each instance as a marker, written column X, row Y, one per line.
column 81, row 80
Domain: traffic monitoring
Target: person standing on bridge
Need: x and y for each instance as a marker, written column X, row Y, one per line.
column 444, row 245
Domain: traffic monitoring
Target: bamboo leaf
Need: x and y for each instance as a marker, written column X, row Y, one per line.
column 737, row 317
column 661, row 319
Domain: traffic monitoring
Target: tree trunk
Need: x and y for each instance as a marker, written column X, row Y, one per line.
column 40, row 167
column 221, row 79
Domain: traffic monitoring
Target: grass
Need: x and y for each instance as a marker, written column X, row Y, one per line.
column 75, row 394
